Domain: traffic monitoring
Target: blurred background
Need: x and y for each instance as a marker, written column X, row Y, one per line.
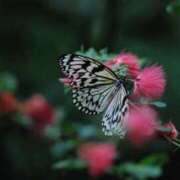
column 34, row 33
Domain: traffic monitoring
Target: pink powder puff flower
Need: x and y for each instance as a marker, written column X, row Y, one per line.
column 168, row 130
column 141, row 124
column 37, row 108
column 128, row 59
column 150, row 83
column 98, row 156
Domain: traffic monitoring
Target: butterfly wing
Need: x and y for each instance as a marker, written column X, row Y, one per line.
column 86, row 72
column 93, row 100
column 114, row 117
column 93, row 83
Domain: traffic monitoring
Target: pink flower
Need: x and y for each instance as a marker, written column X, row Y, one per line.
column 141, row 124
column 37, row 108
column 150, row 82
column 168, row 130
column 8, row 102
column 128, row 59
column 98, row 156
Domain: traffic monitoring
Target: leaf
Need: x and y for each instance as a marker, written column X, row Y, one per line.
column 149, row 167
column 103, row 51
column 155, row 159
column 52, row 132
column 70, row 164
column 121, row 69
column 140, row 171
column 91, row 52
column 22, row 120
column 159, row 104
column 61, row 148
column 86, row 131
column 8, row 82
column 101, row 55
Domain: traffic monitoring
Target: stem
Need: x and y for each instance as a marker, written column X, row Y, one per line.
column 175, row 142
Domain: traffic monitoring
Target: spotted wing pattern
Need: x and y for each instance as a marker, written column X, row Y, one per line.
column 93, row 100
column 113, row 120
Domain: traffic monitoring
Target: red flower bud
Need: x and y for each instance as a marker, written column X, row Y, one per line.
column 8, row 102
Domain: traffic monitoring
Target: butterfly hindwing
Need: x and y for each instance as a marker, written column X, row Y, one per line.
column 113, row 120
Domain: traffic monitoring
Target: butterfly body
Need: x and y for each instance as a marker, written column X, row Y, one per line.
column 119, row 83
column 96, row 87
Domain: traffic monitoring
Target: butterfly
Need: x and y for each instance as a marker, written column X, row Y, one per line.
column 95, row 87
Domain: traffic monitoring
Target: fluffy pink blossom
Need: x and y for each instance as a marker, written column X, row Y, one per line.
column 39, row 110
column 128, row 59
column 141, row 123
column 150, row 82
column 98, row 156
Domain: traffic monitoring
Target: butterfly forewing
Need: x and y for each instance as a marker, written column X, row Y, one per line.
column 86, row 72
column 92, row 82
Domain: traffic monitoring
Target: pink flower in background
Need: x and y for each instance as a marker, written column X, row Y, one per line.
column 8, row 102
column 141, row 124
column 39, row 110
column 150, row 82
column 128, row 59
column 98, row 156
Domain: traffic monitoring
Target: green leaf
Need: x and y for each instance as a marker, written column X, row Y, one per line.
column 8, row 82
column 159, row 104
column 121, row 69
column 61, row 148
column 149, row 167
column 155, row 159
column 70, row 164
column 91, row 52
column 22, row 120
column 140, row 171
column 103, row 51
column 52, row 132
column 86, row 131
column 101, row 55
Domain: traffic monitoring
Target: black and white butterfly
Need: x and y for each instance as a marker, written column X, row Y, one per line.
column 96, row 87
